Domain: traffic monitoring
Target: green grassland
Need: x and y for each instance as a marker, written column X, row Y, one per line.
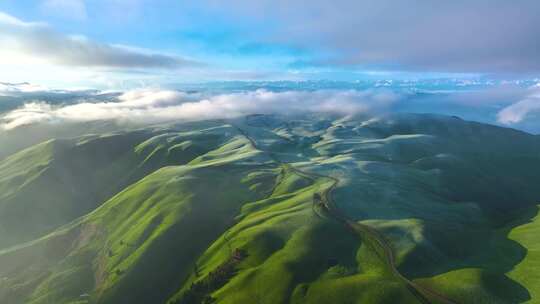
column 57, row 181
column 528, row 236
column 251, row 210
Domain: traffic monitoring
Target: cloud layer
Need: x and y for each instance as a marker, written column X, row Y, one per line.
column 505, row 104
column 7, row 88
column 447, row 36
column 154, row 106
column 40, row 41
column 521, row 110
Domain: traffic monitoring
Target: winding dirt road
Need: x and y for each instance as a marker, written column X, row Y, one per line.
column 423, row 294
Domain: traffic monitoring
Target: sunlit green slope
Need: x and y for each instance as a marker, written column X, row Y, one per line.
column 55, row 182
column 149, row 234
column 526, row 272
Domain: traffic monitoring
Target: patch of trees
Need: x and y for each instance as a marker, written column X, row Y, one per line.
column 200, row 291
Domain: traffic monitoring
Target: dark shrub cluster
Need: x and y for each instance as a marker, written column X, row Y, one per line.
column 200, row 291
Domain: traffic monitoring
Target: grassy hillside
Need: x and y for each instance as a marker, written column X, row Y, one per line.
column 144, row 231
column 296, row 254
column 271, row 209
column 528, row 236
column 55, row 182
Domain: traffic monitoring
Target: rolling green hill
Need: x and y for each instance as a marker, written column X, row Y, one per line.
column 57, row 181
column 409, row 208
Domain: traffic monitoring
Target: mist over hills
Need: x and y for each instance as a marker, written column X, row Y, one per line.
column 274, row 208
column 505, row 103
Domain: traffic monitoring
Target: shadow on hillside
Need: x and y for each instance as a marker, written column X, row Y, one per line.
column 491, row 251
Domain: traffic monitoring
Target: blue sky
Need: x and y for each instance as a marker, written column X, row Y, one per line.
column 217, row 45
column 119, row 43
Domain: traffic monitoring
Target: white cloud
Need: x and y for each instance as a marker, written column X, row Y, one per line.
column 23, row 87
column 23, row 41
column 8, row 20
column 153, row 106
column 519, row 111
column 508, row 105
